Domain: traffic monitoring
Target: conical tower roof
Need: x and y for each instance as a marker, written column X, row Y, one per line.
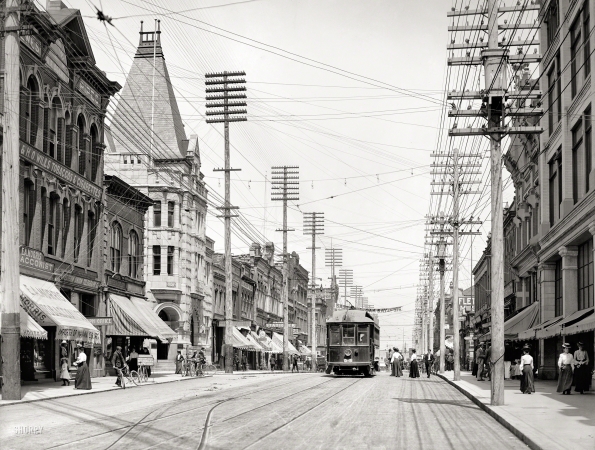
column 131, row 125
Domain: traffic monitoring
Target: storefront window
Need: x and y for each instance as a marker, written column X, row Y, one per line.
column 585, row 275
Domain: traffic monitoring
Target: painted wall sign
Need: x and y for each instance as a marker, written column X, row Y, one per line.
column 33, row 43
column 83, row 282
column 51, row 165
column 89, row 92
column 34, row 258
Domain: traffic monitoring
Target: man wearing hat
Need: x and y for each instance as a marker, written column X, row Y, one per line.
column 481, row 356
column 118, row 362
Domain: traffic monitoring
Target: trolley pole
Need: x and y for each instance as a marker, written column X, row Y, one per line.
column 313, row 225
column 9, row 277
column 285, row 186
column 222, row 91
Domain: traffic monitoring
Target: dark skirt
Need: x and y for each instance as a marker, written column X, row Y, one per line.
column 414, row 370
column 399, row 369
column 582, row 377
column 392, row 369
column 179, row 366
column 565, row 378
column 527, row 385
column 83, row 377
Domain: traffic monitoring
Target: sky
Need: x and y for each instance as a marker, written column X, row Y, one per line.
column 350, row 91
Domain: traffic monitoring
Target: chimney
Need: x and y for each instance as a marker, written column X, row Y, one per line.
column 55, row 5
column 255, row 250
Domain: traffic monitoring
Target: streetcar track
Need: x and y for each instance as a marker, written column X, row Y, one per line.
column 140, row 422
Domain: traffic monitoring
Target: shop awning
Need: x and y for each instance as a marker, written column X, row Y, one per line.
column 278, row 339
column 587, row 323
column 239, row 341
column 531, row 333
column 29, row 328
column 519, row 322
column 560, row 327
column 305, row 350
column 146, row 309
column 262, row 342
column 43, row 302
column 132, row 318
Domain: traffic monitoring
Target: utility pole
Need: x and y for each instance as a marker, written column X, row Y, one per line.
column 222, row 91
column 441, row 254
column 357, row 293
column 285, row 187
column 333, row 257
column 9, row 276
column 431, row 303
column 313, row 225
column 346, row 280
column 495, row 108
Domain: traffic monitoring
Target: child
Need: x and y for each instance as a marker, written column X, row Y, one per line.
column 64, row 374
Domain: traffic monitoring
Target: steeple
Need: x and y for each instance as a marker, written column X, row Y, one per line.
column 147, row 118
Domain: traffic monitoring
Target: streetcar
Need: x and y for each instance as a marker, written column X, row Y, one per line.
column 353, row 341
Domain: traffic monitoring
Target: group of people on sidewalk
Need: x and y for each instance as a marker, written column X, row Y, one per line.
column 82, row 379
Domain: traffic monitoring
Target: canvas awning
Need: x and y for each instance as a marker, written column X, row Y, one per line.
column 278, row 339
column 587, row 323
column 305, row 350
column 519, row 322
column 239, row 341
column 254, row 342
column 558, row 328
column 531, row 333
column 29, row 328
column 133, row 318
column 263, row 341
column 43, row 302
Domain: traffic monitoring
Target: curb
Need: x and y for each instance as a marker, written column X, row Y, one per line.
column 22, row 402
column 501, row 420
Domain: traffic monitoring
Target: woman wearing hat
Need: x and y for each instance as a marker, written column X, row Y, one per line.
column 566, row 365
column 582, row 374
column 83, row 377
column 414, row 369
column 527, row 386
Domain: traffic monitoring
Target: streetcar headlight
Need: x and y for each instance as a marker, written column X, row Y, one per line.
column 348, row 353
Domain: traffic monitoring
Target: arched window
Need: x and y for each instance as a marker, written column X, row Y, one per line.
column 53, row 224
column 91, row 232
column 56, row 131
column 82, row 150
column 95, row 152
column 133, row 255
column 78, row 231
column 66, row 221
column 29, row 199
column 116, row 247
column 29, row 114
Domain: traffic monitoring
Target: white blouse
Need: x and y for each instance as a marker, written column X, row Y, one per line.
column 413, row 357
column 527, row 359
column 565, row 358
column 81, row 358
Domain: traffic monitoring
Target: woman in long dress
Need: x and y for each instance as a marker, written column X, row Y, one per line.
column 396, row 363
column 83, row 377
column 566, row 365
column 527, row 386
column 582, row 374
column 414, row 369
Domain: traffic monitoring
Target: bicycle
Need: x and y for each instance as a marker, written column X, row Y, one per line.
column 127, row 374
column 143, row 377
column 205, row 370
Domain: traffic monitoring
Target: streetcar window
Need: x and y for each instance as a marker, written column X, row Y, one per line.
column 335, row 335
column 362, row 335
column 348, row 335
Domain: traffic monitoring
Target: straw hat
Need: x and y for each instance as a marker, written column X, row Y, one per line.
column 565, row 345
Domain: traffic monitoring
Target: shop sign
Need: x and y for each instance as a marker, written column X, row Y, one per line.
column 83, row 282
column 279, row 325
column 89, row 92
column 118, row 284
column 145, row 360
column 32, row 42
column 40, row 159
column 35, row 259
column 101, row 320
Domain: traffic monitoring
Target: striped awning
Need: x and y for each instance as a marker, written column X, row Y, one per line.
column 278, row 339
column 587, row 323
column 131, row 318
column 239, row 341
column 263, row 340
column 29, row 328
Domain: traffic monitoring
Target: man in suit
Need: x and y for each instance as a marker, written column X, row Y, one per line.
column 429, row 361
column 480, row 357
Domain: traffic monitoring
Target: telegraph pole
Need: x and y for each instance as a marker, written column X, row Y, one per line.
column 442, row 268
column 222, row 91
column 285, row 187
column 495, row 59
column 431, row 303
column 313, row 225
column 346, row 278
column 333, row 257
column 9, row 276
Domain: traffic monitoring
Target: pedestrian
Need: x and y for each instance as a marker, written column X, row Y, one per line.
column 63, row 349
column 244, row 361
column 527, row 382
column 83, row 377
column 508, row 356
column 64, row 374
column 118, row 362
column 376, row 364
column 393, row 364
column 428, row 361
column 146, row 351
column 566, row 365
column 396, row 363
column 450, row 362
column 236, row 362
column 133, row 359
column 487, row 364
column 295, row 364
column 179, row 363
column 414, row 369
column 582, row 374
column 480, row 358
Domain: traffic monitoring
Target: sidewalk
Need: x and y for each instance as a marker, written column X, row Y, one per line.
column 50, row 390
column 543, row 420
